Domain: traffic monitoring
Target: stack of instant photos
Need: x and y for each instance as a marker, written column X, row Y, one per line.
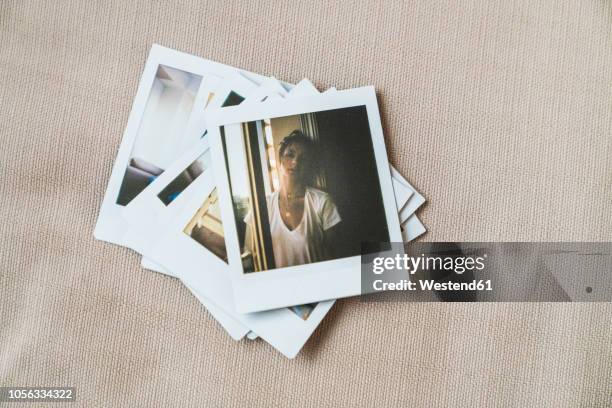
column 256, row 194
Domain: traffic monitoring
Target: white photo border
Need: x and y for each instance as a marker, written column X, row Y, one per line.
column 308, row 283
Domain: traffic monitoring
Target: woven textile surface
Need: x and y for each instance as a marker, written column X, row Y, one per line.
column 499, row 112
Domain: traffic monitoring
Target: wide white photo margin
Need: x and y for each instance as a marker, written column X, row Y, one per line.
column 281, row 287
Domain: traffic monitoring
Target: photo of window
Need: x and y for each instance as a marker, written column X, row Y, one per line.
column 206, row 227
column 162, row 129
column 304, row 188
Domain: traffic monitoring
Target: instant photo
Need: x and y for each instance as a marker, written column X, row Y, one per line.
column 304, row 182
column 174, row 86
column 301, row 185
column 164, row 121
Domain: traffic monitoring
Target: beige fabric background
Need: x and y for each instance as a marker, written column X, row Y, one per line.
column 500, row 112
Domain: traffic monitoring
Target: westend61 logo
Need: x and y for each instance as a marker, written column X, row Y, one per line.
column 434, row 267
column 428, row 263
column 487, row 271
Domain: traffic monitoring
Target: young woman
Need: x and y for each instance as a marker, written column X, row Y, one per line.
column 301, row 217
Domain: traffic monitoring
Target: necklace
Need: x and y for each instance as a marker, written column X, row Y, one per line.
column 287, row 212
column 292, row 196
column 288, row 197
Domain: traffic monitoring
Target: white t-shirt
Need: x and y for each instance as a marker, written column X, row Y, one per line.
column 304, row 244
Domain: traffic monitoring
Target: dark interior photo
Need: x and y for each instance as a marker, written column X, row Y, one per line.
column 305, row 188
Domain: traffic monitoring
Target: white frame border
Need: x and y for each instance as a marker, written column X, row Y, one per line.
column 309, row 283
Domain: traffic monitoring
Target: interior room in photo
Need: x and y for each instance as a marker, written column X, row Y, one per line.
column 344, row 172
column 161, row 134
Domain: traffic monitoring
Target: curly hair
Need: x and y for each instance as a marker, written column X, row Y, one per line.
column 298, row 137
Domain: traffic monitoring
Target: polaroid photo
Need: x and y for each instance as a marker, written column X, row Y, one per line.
column 303, row 183
column 146, row 212
column 173, row 86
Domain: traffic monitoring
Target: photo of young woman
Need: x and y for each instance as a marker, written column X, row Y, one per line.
column 301, row 217
column 304, row 188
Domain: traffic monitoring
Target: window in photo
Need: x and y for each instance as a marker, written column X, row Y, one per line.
column 162, row 129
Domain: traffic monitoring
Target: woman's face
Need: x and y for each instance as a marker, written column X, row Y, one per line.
column 293, row 162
